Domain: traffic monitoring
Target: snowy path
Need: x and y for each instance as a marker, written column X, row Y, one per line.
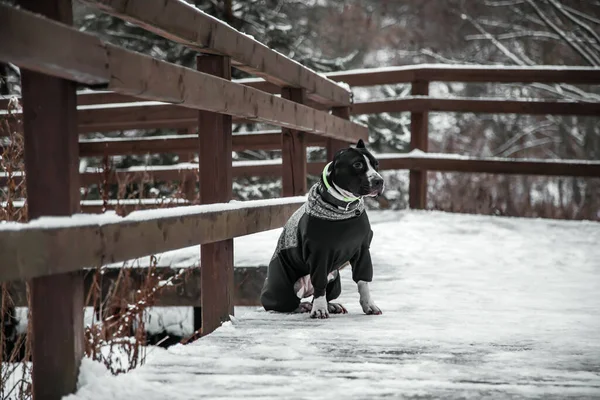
column 473, row 307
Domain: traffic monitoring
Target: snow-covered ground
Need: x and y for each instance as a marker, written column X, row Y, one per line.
column 473, row 306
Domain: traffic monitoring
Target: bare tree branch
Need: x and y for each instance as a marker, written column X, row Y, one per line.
column 591, row 59
column 528, row 145
column 503, row 3
column 575, row 20
column 491, row 37
column 541, row 35
column 439, row 57
column 582, row 14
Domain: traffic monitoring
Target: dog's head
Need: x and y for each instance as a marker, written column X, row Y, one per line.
column 355, row 169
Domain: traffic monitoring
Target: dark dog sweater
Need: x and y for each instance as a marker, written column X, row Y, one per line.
column 317, row 240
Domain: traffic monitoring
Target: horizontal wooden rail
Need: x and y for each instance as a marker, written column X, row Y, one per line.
column 467, row 73
column 404, row 74
column 486, row 106
column 185, row 24
column 248, row 282
column 493, row 165
column 125, row 205
column 151, row 115
column 49, row 47
column 424, row 161
column 36, row 248
column 414, row 161
column 260, row 140
column 177, row 172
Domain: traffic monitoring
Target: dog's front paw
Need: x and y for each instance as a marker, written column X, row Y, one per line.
column 336, row 308
column 370, row 308
column 319, row 308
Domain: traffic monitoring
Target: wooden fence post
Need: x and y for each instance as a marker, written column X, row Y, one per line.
column 52, row 170
column 333, row 145
column 293, row 151
column 418, row 140
column 216, row 259
column 188, row 183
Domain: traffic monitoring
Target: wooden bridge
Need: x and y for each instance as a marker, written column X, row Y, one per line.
column 127, row 90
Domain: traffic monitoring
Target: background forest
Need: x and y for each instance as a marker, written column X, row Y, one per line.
column 328, row 35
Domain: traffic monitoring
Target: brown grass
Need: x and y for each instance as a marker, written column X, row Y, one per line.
column 14, row 358
column 117, row 336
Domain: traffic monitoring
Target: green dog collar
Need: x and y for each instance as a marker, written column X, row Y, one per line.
column 329, row 187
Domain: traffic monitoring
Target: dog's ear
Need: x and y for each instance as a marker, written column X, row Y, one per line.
column 338, row 153
column 360, row 144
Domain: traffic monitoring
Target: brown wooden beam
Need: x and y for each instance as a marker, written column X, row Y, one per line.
column 419, row 138
column 333, row 145
column 437, row 162
column 32, row 45
column 451, row 163
column 51, row 165
column 36, row 249
column 207, row 34
column 260, row 140
column 152, row 115
column 485, row 106
column 468, row 73
column 293, row 152
column 185, row 291
column 215, row 187
column 406, row 74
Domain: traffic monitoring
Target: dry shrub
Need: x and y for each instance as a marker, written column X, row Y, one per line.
column 117, row 337
column 15, row 348
column 515, row 195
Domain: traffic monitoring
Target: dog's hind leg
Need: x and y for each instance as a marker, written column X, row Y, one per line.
column 278, row 292
column 304, row 307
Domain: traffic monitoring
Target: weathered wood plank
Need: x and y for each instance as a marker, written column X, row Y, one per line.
column 51, row 165
column 451, row 163
column 485, row 106
column 185, row 291
column 27, row 250
column 419, row 138
column 333, row 145
column 438, row 162
column 467, row 73
column 406, row 74
column 264, row 140
column 293, row 152
column 138, row 75
column 151, row 115
column 215, row 150
column 185, row 24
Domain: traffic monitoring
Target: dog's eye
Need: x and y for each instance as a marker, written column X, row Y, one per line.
column 358, row 165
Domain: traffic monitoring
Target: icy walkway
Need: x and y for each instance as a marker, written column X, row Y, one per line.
column 473, row 306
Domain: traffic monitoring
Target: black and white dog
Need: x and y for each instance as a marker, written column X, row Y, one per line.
column 328, row 231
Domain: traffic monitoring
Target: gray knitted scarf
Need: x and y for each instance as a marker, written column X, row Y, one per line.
column 319, row 208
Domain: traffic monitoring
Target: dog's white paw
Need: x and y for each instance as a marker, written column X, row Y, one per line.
column 319, row 308
column 370, row 308
column 365, row 301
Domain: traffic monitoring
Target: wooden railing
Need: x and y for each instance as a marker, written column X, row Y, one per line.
column 141, row 92
column 51, row 253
